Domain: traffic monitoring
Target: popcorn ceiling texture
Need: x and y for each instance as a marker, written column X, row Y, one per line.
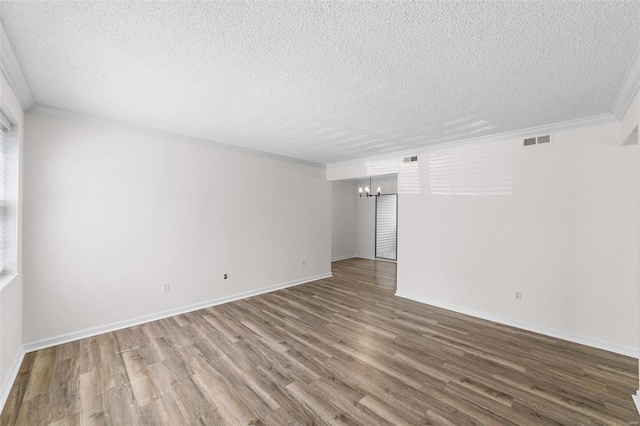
column 326, row 82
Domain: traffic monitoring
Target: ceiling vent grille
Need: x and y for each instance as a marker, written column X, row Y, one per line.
column 410, row 159
column 538, row 140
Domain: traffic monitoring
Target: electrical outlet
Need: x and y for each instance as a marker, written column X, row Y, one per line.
column 165, row 287
column 226, row 276
column 518, row 296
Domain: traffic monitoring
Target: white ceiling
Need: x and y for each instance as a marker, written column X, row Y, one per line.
column 326, row 82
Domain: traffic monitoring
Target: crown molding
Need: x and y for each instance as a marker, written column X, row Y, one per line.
column 514, row 134
column 61, row 114
column 12, row 72
column 629, row 87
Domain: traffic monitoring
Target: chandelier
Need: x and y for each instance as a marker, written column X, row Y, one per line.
column 366, row 192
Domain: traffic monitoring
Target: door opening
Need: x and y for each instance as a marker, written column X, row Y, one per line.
column 387, row 227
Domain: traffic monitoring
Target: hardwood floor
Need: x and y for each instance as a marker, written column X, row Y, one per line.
column 342, row 350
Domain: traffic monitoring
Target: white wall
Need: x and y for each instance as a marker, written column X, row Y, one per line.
column 566, row 236
column 343, row 219
column 110, row 215
column 630, row 120
column 11, row 295
column 636, row 399
column 365, row 226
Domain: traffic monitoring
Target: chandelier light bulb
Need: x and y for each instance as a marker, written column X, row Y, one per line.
column 366, row 192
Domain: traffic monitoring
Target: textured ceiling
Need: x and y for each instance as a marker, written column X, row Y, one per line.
column 326, row 81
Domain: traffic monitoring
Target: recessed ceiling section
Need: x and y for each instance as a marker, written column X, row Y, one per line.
column 326, row 81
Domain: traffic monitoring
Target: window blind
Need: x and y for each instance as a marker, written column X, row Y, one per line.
column 386, row 226
column 7, row 257
column 2, row 193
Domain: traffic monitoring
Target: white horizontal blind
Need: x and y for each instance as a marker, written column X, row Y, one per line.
column 2, row 187
column 386, row 226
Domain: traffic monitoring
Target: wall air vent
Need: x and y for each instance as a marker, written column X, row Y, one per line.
column 410, row 159
column 537, row 140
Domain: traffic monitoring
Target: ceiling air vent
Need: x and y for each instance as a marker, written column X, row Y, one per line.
column 410, row 159
column 544, row 139
column 537, row 140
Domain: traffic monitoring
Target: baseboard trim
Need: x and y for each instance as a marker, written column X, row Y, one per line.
column 576, row 338
column 336, row 259
column 94, row 331
column 10, row 378
column 364, row 256
column 379, row 259
column 361, row 256
column 636, row 399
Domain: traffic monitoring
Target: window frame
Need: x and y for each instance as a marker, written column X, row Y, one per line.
column 9, row 187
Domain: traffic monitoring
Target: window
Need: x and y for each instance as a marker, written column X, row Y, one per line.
column 8, row 199
column 1, row 201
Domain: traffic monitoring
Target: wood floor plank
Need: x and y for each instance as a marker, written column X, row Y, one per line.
column 119, row 406
column 73, row 420
column 111, row 366
column 325, row 410
column 386, row 411
column 144, row 390
column 341, row 350
column 16, row 396
column 346, row 400
column 91, row 406
column 40, row 378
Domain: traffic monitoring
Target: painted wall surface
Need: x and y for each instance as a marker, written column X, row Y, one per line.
column 11, row 295
column 110, row 215
column 635, row 108
column 365, row 226
column 344, row 172
column 557, row 222
column 343, row 219
column 628, row 122
column 566, row 237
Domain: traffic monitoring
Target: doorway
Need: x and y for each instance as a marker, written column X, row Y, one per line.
column 387, row 227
